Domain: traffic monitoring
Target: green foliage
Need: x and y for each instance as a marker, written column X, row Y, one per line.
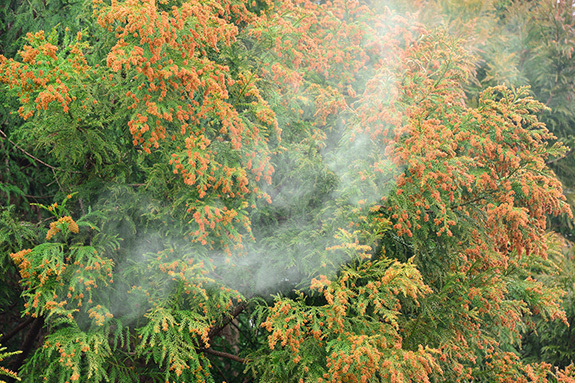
column 4, row 371
column 21, row 17
column 353, row 332
column 171, row 338
column 71, row 354
column 546, row 340
column 14, row 235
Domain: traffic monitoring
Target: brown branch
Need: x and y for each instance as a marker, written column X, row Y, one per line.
column 18, row 328
column 214, row 331
column 222, row 354
column 35, row 158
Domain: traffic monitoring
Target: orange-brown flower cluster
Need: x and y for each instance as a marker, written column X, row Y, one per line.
column 66, row 222
column 22, row 262
column 99, row 314
column 9, row 373
column 44, row 76
column 354, row 356
column 184, row 100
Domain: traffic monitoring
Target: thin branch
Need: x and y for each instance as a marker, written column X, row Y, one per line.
column 38, row 196
column 562, row 157
column 219, row 370
column 82, row 206
column 35, row 158
column 222, row 354
column 57, row 180
column 249, row 338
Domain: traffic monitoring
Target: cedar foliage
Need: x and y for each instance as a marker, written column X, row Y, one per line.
column 4, row 371
column 282, row 191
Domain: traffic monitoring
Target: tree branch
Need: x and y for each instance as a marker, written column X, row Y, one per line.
column 223, row 354
column 233, row 314
column 18, row 328
column 214, row 331
column 35, row 158
column 562, row 157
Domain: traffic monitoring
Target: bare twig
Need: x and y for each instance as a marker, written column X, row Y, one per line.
column 57, row 180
